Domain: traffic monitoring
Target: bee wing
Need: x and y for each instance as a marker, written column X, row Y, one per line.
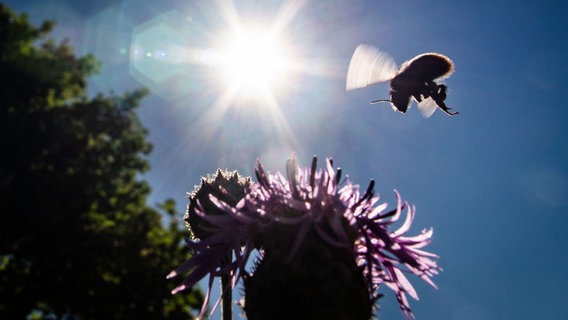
column 427, row 107
column 369, row 65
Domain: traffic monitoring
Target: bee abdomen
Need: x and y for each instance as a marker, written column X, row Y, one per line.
column 426, row 67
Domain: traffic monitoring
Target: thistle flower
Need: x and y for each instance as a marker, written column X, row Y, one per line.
column 325, row 249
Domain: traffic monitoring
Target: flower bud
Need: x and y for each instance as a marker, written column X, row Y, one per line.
column 226, row 186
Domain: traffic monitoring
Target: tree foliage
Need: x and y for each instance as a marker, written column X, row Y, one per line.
column 77, row 238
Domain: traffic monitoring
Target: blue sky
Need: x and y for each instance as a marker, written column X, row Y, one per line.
column 492, row 181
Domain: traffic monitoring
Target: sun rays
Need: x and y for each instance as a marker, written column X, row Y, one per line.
column 254, row 59
column 233, row 66
column 253, row 68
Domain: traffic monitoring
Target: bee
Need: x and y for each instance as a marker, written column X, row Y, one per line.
column 416, row 78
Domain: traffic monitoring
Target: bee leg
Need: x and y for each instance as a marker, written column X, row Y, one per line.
column 445, row 108
column 431, row 88
column 423, row 93
column 439, row 96
column 442, row 91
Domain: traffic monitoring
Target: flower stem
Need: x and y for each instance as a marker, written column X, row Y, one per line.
column 227, row 292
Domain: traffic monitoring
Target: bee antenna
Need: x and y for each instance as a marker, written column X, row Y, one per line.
column 382, row 100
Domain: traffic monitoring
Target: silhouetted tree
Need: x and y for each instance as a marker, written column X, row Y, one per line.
column 77, row 237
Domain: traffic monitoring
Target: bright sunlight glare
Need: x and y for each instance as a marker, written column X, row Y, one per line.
column 254, row 61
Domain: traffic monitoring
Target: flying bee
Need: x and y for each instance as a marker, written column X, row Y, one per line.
column 416, row 78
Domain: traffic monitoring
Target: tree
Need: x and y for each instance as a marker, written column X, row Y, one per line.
column 77, row 237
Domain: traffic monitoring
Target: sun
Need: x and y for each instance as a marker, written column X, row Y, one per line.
column 252, row 64
column 253, row 61
column 254, row 57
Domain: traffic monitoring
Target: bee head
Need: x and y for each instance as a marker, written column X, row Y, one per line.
column 399, row 101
